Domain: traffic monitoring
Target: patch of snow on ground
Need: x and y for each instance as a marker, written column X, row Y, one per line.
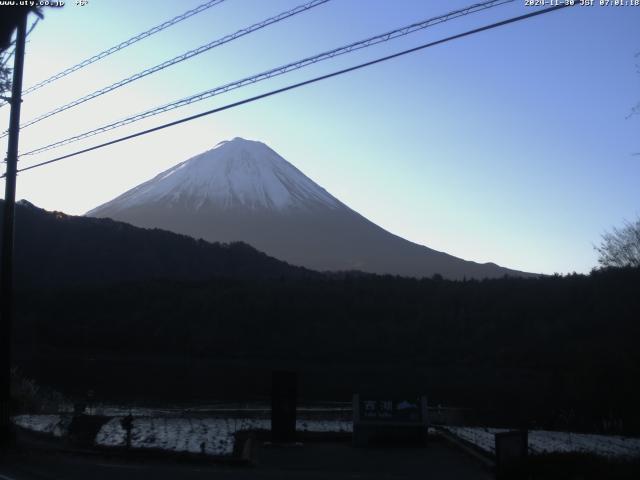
column 324, row 426
column 212, row 436
column 112, row 434
column 56, row 425
column 542, row 441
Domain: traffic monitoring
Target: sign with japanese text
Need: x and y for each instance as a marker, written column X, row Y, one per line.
column 405, row 410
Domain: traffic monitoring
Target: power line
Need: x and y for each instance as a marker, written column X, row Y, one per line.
column 178, row 59
column 275, row 72
column 126, row 43
column 300, row 84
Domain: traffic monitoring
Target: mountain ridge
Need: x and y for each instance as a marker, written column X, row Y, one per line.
column 53, row 249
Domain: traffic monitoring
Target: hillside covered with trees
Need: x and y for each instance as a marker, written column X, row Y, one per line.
column 148, row 314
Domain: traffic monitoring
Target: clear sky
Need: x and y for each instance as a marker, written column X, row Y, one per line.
column 511, row 146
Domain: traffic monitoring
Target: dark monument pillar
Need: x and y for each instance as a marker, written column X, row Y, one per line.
column 512, row 449
column 284, row 389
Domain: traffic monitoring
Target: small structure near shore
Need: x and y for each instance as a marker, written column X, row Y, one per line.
column 389, row 421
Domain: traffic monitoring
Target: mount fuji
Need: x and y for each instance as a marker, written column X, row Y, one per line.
column 242, row 190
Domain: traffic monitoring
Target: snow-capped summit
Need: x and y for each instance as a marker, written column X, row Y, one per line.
column 242, row 190
column 237, row 172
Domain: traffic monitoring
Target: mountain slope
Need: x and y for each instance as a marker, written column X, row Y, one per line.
column 244, row 191
column 54, row 249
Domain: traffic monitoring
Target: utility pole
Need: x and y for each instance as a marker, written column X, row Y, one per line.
column 6, row 279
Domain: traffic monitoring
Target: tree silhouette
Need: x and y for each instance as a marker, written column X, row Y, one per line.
column 7, row 45
column 621, row 246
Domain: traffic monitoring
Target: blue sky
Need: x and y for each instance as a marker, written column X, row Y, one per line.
column 511, row 146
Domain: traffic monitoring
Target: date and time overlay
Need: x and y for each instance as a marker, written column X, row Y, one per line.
column 582, row 3
column 527, row 3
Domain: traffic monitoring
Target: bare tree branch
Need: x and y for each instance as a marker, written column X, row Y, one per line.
column 621, row 246
column 5, row 71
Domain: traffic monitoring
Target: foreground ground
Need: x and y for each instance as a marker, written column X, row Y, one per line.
column 310, row 461
column 200, row 433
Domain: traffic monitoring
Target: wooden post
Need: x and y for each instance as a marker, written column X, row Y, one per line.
column 6, row 279
column 284, row 388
